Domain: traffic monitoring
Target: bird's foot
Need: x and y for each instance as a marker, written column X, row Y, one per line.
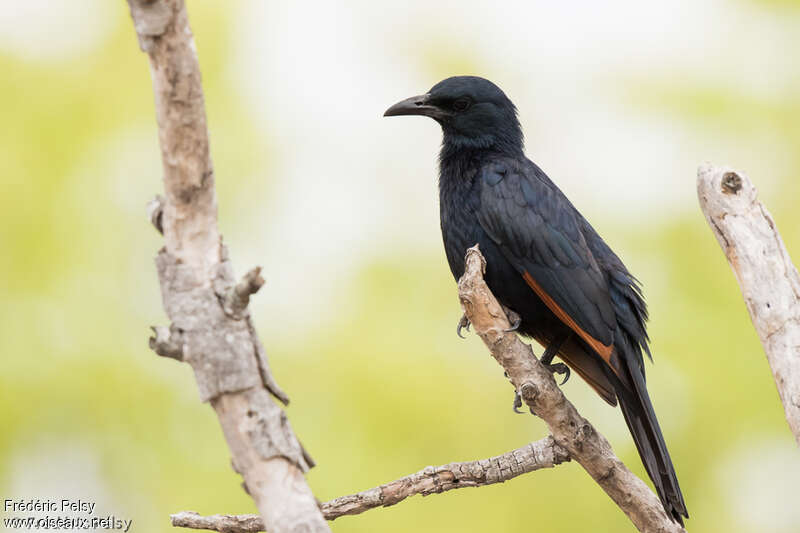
column 517, row 400
column 555, row 368
column 513, row 318
column 558, row 368
column 463, row 323
column 550, row 353
column 518, row 404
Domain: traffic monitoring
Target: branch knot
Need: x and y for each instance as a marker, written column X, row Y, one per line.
column 167, row 341
column 731, row 183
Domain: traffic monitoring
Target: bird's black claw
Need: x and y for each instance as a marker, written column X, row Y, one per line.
column 517, row 403
column 514, row 318
column 561, row 369
column 514, row 326
column 463, row 323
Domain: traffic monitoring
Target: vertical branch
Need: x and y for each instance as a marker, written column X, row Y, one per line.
column 211, row 326
column 190, row 212
column 769, row 281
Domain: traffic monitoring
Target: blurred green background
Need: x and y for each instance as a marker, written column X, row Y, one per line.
column 619, row 102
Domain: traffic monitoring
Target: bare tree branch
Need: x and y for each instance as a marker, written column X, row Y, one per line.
column 769, row 281
column 225, row 523
column 211, row 328
column 540, row 392
column 573, row 436
column 544, row 453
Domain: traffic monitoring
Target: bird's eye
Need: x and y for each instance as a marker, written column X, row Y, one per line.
column 461, row 104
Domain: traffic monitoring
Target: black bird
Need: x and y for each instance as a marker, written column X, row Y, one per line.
column 545, row 261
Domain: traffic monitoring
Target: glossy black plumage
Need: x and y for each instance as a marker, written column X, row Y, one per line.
column 545, row 261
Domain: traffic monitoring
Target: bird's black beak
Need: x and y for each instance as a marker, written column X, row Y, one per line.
column 416, row 105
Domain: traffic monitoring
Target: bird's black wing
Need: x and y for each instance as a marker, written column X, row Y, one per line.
column 538, row 231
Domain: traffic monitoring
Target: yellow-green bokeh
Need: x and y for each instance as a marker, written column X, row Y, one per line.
column 385, row 388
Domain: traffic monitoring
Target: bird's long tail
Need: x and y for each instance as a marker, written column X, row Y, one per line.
column 643, row 425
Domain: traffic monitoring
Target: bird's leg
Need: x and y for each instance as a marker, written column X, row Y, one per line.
column 517, row 399
column 551, row 351
column 513, row 318
column 547, row 360
column 463, row 323
column 517, row 403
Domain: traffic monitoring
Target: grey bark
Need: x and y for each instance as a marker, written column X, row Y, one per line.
column 769, row 281
column 211, row 326
column 544, row 453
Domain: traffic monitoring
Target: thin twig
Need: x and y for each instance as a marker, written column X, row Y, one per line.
column 238, row 297
column 544, row 453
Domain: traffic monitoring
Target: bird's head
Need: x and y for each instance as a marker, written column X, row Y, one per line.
column 473, row 113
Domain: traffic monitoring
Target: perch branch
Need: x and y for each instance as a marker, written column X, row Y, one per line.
column 211, row 328
column 544, row 453
column 769, row 281
column 572, row 435
column 540, row 392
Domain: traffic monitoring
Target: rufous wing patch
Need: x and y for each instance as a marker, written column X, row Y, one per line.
column 601, row 349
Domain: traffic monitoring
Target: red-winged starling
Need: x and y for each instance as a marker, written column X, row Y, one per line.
column 545, row 262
